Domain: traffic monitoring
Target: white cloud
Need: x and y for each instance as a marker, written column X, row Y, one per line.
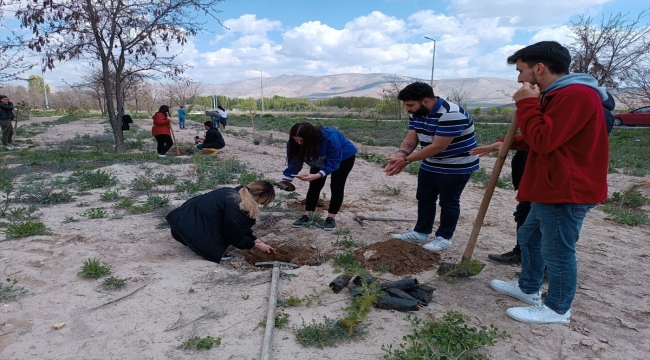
column 560, row 34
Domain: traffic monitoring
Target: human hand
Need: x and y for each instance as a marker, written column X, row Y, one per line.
column 307, row 177
column 264, row 247
column 395, row 165
column 484, row 150
column 527, row 90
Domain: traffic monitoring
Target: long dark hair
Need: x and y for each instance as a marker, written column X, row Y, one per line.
column 164, row 109
column 309, row 148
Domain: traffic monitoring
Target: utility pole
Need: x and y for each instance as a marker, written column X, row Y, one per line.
column 47, row 104
column 261, row 90
column 433, row 60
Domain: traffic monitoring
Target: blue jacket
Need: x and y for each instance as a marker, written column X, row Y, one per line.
column 181, row 113
column 333, row 148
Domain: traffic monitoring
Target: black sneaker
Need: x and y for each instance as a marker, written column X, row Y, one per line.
column 226, row 256
column 330, row 224
column 300, row 222
column 507, row 258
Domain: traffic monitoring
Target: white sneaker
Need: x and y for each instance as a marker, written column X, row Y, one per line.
column 438, row 244
column 9, row 147
column 539, row 314
column 512, row 289
column 412, row 236
column 161, row 155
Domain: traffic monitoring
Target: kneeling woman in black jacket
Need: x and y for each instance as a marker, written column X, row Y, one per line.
column 209, row 223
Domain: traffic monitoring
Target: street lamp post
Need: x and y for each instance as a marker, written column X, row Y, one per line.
column 433, row 60
column 261, row 89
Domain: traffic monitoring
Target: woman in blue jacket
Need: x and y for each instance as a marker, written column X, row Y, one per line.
column 327, row 152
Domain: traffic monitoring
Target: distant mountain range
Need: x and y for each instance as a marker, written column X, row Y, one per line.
column 479, row 91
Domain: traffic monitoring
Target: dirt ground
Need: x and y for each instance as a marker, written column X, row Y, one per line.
column 169, row 287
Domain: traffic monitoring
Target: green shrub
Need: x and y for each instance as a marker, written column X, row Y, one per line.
column 448, row 338
column 94, row 213
column 9, row 290
column 87, row 179
column 205, row 343
column 26, row 228
column 93, row 269
column 114, row 283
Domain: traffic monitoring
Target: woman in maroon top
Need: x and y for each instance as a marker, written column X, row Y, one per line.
column 161, row 130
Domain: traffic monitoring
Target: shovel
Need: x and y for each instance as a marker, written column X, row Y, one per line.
column 467, row 267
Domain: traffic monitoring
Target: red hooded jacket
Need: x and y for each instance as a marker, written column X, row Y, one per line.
column 160, row 124
column 568, row 147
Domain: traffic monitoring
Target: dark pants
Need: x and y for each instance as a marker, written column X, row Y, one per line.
column 223, row 121
column 337, row 186
column 448, row 187
column 164, row 143
column 7, row 131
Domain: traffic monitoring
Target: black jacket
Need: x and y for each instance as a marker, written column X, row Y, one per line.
column 209, row 223
column 213, row 139
column 6, row 111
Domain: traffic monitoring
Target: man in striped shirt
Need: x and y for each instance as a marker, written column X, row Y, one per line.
column 445, row 132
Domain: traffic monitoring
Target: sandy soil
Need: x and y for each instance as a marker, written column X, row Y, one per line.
column 611, row 308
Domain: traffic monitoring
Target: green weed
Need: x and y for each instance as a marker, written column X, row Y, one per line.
column 347, row 242
column 448, row 338
column 94, row 213
column 162, row 179
column 109, row 195
column 347, row 263
column 330, row 332
column 69, row 219
column 247, row 178
column 114, row 283
column 394, row 190
column 281, row 320
column 93, row 269
column 125, row 203
column 205, row 343
column 87, row 180
column 627, row 216
column 9, row 290
column 26, row 228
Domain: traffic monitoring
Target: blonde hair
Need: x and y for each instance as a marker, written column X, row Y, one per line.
column 260, row 188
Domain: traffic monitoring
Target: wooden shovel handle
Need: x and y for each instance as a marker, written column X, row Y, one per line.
column 496, row 171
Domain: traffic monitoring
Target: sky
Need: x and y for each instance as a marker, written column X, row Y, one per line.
column 473, row 38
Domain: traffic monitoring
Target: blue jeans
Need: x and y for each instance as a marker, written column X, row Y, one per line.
column 199, row 146
column 548, row 238
column 448, row 187
column 181, row 122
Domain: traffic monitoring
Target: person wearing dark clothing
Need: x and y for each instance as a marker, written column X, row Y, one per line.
column 161, row 130
column 213, row 138
column 6, row 117
column 211, row 222
column 326, row 151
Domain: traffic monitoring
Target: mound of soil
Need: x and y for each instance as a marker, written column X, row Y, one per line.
column 402, row 257
column 294, row 253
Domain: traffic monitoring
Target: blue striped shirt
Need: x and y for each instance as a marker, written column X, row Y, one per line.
column 447, row 119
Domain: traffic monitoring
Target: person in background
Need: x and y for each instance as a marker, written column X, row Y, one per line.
column 326, row 151
column 161, row 130
column 181, row 117
column 445, row 132
column 213, row 138
column 211, row 222
column 6, row 117
column 564, row 129
column 223, row 116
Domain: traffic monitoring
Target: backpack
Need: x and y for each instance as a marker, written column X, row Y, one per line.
column 126, row 120
column 608, row 106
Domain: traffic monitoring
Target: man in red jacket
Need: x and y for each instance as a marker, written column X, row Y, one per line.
column 562, row 125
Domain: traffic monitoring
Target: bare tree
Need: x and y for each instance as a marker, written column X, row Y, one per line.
column 126, row 36
column 610, row 50
column 12, row 60
column 181, row 92
column 459, row 96
column 390, row 104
